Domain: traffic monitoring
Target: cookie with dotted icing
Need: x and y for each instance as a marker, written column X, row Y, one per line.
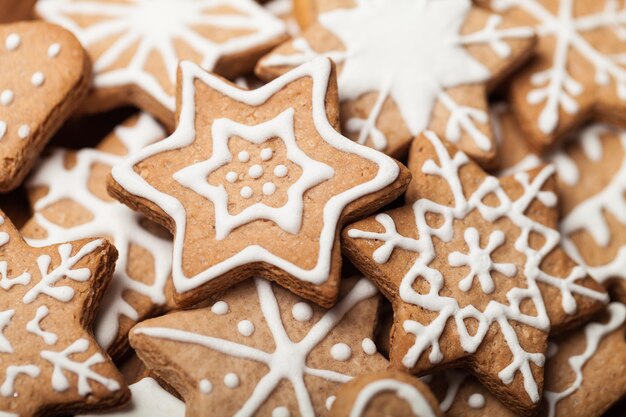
column 410, row 65
column 388, row 393
column 252, row 175
column 69, row 199
column 45, row 75
column 136, row 45
column 578, row 70
column 473, row 268
column 273, row 360
column 49, row 362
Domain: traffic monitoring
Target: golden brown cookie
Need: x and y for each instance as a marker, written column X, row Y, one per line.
column 410, row 65
column 136, row 45
column 70, row 201
column 262, row 351
column 44, row 77
column 388, row 393
column 49, row 362
column 15, row 10
column 257, row 183
column 473, row 268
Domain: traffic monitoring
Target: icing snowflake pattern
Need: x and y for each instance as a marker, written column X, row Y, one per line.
column 427, row 335
column 428, row 29
column 147, row 27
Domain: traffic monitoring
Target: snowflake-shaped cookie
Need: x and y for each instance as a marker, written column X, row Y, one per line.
column 409, row 65
column 136, row 45
column 278, row 355
column 528, row 284
column 252, row 175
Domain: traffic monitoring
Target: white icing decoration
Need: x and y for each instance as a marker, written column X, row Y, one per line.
column 231, row 380
column 205, row 386
column 5, row 319
column 476, row 400
column 341, row 352
column 407, row 392
column 302, row 311
column 37, row 79
column 220, row 308
column 368, row 346
column 288, row 360
column 281, row 412
column 246, row 192
column 255, row 171
column 427, row 335
column 245, row 328
column 3, row 128
column 288, row 216
column 23, row 131
column 6, row 97
column 284, row 10
column 266, row 154
column 319, row 71
column 12, row 372
column 109, row 218
column 243, row 156
column 6, row 283
column 555, row 88
column 54, row 50
column 280, row 171
column 62, row 363
column 379, row 35
column 232, row 177
column 12, row 42
column 151, row 27
column 454, row 378
column 34, row 326
column 553, row 349
column 269, row 188
column 330, row 401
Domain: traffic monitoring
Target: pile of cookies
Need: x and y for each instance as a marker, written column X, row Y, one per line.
column 313, row 208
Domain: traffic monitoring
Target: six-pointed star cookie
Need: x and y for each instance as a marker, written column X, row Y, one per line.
column 49, row 362
column 579, row 69
column 408, row 65
column 45, row 75
column 257, row 183
column 278, row 355
column 473, row 268
column 136, row 45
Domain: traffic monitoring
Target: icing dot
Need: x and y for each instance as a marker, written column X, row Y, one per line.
column 255, row 171
column 246, row 192
column 12, row 41
column 6, row 97
column 302, row 311
column 243, row 156
column 231, row 380
column 231, row 177
column 368, row 346
column 329, row 402
column 205, row 386
column 280, row 171
column 281, row 412
column 245, row 327
column 53, row 50
column 23, row 131
column 220, row 308
column 476, row 401
column 37, row 79
column 3, row 129
column 552, row 349
column 266, row 154
column 341, row 352
column 269, row 188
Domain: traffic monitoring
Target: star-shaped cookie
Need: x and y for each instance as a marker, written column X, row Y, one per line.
column 49, row 362
column 136, row 45
column 45, row 75
column 473, row 268
column 579, row 68
column 277, row 354
column 408, row 65
column 257, row 183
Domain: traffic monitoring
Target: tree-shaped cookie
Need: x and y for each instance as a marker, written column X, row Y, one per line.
column 136, row 45
column 68, row 194
column 473, row 268
column 579, row 69
column 49, row 362
column 45, row 74
column 408, row 65
column 261, row 350
column 257, row 183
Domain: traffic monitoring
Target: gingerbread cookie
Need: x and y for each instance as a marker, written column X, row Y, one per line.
column 388, row 393
column 278, row 354
column 473, row 268
column 15, row 10
column 45, row 75
column 251, row 176
column 50, row 363
column 136, row 45
column 68, row 194
column 578, row 70
column 410, row 65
